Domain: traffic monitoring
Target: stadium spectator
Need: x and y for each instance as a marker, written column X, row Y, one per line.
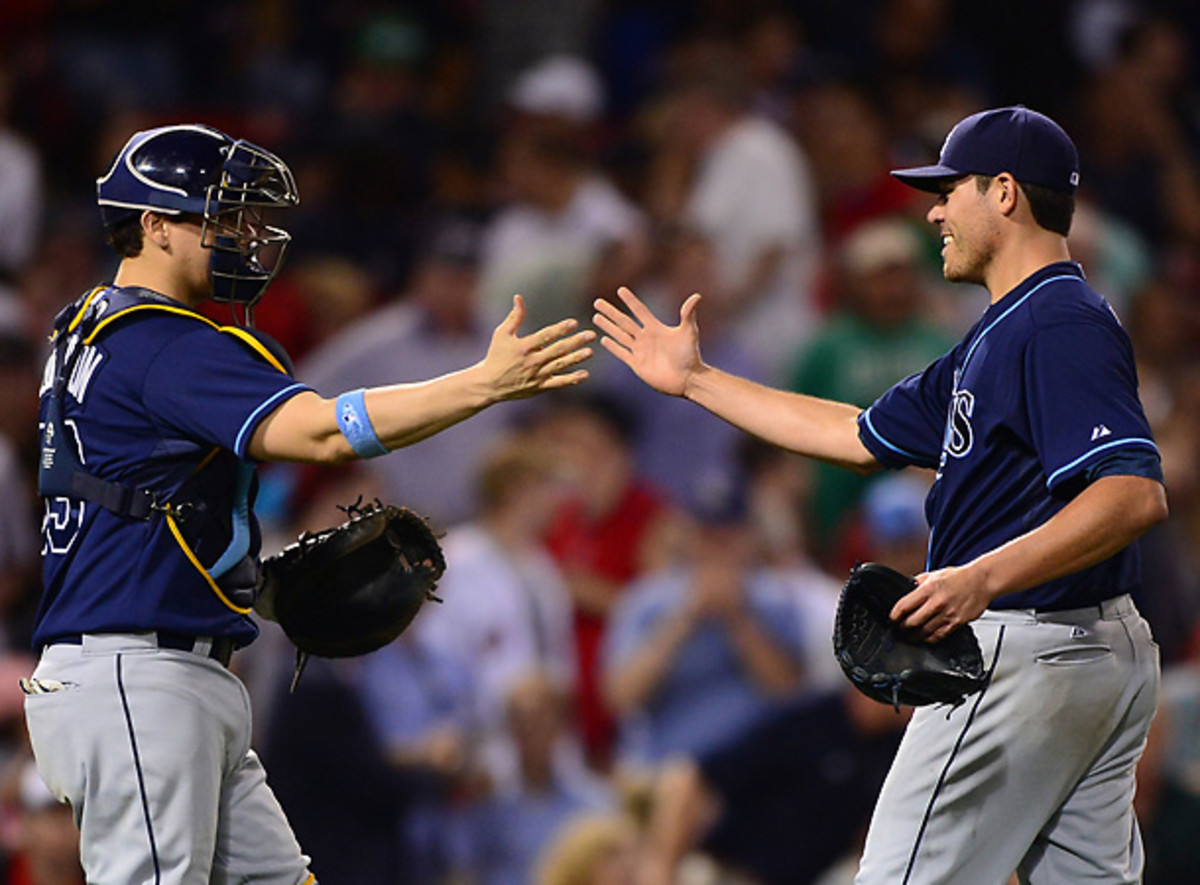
column 326, row 754
column 749, row 190
column 22, row 206
column 688, row 454
column 1141, row 162
column 611, row 528
column 516, row 823
column 846, row 137
column 880, row 333
column 777, row 486
column 1169, row 778
column 506, row 607
column 782, row 802
column 565, row 235
column 593, row 850
column 419, row 704
column 699, row 652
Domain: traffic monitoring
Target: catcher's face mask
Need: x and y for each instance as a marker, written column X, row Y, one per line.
column 230, row 185
column 247, row 251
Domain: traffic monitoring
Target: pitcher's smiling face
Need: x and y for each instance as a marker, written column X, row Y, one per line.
column 969, row 226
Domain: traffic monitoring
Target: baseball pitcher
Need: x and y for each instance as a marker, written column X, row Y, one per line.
column 1046, row 474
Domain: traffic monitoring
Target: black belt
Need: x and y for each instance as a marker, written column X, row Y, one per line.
column 221, row 649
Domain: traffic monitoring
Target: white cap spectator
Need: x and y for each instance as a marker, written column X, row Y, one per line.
column 559, row 85
column 881, row 243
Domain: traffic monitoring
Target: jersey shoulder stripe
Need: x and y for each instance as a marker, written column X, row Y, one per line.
column 903, row 453
column 246, row 431
column 1138, row 442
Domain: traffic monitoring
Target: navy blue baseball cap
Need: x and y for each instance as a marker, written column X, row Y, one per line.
column 1029, row 146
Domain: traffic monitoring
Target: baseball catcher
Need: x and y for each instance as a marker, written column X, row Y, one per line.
column 152, row 421
column 883, row 661
column 349, row 590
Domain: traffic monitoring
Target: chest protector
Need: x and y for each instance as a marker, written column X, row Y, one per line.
column 217, row 544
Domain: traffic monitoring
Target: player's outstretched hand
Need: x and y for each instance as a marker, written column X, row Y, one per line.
column 519, row 366
column 663, row 356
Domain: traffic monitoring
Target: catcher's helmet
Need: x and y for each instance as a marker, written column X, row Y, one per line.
column 198, row 170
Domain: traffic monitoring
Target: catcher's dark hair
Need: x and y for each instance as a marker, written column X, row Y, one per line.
column 125, row 237
column 1051, row 209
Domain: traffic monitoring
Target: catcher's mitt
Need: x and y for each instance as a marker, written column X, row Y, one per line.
column 883, row 662
column 349, row 590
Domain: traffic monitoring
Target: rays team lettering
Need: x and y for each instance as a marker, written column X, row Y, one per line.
column 959, row 436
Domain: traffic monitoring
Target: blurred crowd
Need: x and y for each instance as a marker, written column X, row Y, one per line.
column 630, row 679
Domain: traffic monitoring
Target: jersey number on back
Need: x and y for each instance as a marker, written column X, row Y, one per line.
column 63, row 518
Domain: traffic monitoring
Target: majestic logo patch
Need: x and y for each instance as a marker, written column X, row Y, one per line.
column 1099, row 432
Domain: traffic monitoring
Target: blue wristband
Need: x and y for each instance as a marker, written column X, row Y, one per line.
column 355, row 424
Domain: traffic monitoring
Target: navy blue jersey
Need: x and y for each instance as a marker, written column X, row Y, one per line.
column 161, row 399
column 1039, row 399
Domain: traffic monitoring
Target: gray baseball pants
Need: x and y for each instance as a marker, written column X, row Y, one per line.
column 1036, row 774
column 151, row 747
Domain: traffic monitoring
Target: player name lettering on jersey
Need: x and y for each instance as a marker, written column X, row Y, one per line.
column 48, row 374
column 81, row 374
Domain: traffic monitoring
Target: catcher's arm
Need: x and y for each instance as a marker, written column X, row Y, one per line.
column 1104, row 518
column 668, row 359
column 305, row 427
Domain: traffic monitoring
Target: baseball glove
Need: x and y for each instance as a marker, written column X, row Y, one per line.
column 883, row 661
column 349, row 590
